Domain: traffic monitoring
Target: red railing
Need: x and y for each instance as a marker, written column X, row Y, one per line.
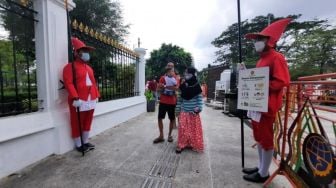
column 309, row 109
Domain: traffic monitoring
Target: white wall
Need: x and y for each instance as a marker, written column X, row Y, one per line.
column 28, row 138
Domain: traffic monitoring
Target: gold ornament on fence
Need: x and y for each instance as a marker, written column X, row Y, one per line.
column 81, row 27
column 92, row 33
column 24, row 2
column 97, row 35
column 75, row 24
column 100, row 37
column 86, row 30
column 105, row 39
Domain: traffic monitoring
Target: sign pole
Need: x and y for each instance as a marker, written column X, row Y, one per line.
column 240, row 111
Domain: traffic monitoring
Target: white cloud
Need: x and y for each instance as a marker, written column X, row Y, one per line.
column 193, row 24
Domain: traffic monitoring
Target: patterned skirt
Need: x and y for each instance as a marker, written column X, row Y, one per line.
column 190, row 133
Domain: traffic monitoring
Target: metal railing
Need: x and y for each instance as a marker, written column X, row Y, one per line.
column 114, row 65
column 18, row 90
column 305, row 133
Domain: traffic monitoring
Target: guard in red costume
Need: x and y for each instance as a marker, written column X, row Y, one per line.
column 265, row 43
column 84, row 96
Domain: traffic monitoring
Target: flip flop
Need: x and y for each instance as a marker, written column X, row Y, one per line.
column 158, row 140
column 170, row 139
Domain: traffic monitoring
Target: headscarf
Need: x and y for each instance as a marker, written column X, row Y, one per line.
column 190, row 88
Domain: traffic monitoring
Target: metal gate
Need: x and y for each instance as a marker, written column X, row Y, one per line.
column 114, row 65
column 18, row 90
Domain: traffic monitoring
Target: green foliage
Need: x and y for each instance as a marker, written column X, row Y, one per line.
column 155, row 65
column 20, row 29
column 313, row 52
column 33, row 104
column 102, row 15
column 149, row 95
column 7, row 66
column 309, row 46
column 203, row 76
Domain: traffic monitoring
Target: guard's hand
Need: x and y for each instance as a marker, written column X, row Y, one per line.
column 77, row 103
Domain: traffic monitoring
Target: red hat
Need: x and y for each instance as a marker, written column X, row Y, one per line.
column 78, row 44
column 273, row 31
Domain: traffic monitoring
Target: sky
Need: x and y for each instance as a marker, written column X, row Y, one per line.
column 193, row 24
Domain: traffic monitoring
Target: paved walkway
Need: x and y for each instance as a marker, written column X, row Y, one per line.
column 126, row 157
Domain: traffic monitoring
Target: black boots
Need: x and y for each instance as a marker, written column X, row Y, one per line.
column 82, row 149
column 89, row 146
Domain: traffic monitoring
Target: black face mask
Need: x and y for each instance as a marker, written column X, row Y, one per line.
column 190, row 88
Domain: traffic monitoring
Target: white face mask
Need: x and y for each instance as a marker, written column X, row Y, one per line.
column 259, row 46
column 188, row 76
column 85, row 57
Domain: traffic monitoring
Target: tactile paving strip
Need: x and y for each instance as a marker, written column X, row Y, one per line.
column 156, row 183
column 164, row 169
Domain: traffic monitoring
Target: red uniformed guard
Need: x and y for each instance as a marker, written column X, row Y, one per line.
column 84, row 96
column 265, row 43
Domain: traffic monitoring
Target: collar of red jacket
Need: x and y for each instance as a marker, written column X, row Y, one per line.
column 79, row 60
column 266, row 53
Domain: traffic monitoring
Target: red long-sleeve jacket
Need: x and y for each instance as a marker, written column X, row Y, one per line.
column 279, row 78
column 82, row 90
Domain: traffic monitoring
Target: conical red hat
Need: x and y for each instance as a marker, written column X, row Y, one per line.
column 273, row 31
column 78, row 44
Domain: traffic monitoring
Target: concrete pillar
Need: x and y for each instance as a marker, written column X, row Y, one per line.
column 51, row 49
column 140, row 71
column 51, row 36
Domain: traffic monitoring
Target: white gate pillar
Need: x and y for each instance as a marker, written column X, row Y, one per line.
column 140, row 71
column 51, row 37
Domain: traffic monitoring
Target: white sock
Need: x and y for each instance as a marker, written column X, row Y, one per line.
column 266, row 162
column 260, row 156
column 77, row 142
column 85, row 137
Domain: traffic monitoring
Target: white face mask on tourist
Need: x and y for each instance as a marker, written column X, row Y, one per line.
column 259, row 46
column 188, row 76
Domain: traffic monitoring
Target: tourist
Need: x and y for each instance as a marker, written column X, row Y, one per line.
column 189, row 106
column 167, row 105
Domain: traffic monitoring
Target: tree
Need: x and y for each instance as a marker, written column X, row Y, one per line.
column 102, row 15
column 19, row 22
column 315, row 52
column 155, row 65
column 203, row 75
column 296, row 43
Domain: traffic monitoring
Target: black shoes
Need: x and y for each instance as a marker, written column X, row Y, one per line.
column 82, row 149
column 178, row 151
column 255, row 177
column 250, row 170
column 89, row 146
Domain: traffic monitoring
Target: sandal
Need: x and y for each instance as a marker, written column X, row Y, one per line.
column 158, row 140
column 178, row 150
column 170, row 139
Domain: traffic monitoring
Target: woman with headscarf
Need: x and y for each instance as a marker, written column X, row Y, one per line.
column 189, row 105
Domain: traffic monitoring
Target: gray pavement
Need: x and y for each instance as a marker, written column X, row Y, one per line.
column 126, row 157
